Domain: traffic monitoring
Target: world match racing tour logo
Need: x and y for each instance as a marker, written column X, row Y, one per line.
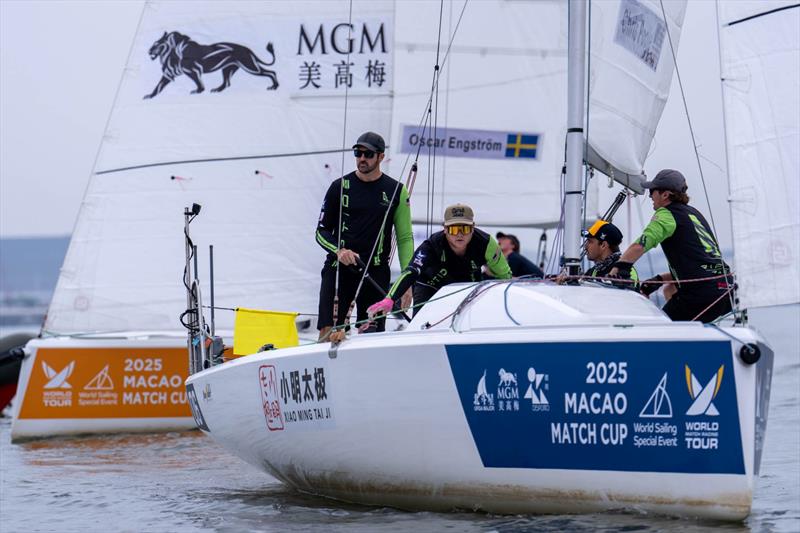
column 180, row 55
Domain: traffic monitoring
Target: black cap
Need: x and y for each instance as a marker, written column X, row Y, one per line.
column 667, row 180
column 512, row 238
column 604, row 231
column 371, row 140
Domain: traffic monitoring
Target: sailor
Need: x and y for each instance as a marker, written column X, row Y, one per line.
column 452, row 255
column 357, row 216
column 691, row 249
column 519, row 264
column 602, row 246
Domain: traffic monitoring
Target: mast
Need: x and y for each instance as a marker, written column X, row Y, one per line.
column 576, row 73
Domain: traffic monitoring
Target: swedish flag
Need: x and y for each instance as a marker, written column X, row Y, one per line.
column 521, row 145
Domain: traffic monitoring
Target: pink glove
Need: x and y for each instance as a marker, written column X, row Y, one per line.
column 382, row 307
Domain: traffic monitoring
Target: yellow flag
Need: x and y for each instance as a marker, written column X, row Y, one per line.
column 253, row 329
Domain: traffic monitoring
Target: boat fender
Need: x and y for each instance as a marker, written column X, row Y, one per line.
column 750, row 353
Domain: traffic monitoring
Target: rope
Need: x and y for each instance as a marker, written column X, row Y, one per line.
column 664, row 282
column 694, row 142
column 712, row 304
column 588, row 173
column 426, row 118
column 715, row 326
column 219, row 308
column 435, row 89
column 405, row 309
column 341, row 180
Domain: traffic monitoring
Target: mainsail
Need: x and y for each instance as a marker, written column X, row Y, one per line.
column 123, row 267
column 760, row 55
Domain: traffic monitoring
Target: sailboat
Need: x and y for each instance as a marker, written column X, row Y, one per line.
column 253, row 139
column 627, row 409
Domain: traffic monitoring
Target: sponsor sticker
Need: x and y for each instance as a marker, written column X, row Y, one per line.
column 268, row 56
column 634, row 406
column 478, row 144
column 107, row 383
column 296, row 397
column 640, row 31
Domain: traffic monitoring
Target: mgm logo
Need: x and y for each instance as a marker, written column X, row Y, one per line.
column 181, row 55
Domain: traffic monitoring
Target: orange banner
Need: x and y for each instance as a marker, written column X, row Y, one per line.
column 107, row 383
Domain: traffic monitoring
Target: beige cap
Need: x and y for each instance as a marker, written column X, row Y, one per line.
column 459, row 214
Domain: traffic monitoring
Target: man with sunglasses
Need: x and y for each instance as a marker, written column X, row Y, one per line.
column 452, row 255
column 366, row 204
column 691, row 249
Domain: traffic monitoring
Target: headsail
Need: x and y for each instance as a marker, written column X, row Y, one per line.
column 760, row 53
column 630, row 76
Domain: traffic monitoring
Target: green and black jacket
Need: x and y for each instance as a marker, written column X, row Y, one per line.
column 364, row 205
column 435, row 264
column 689, row 244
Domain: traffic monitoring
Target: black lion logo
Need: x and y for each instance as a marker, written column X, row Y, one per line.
column 181, row 55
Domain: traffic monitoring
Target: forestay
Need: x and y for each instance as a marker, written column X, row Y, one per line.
column 760, row 53
column 123, row 267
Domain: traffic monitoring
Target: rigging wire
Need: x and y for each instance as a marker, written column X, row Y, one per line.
column 587, row 171
column 425, row 120
column 341, row 180
column 725, row 269
column 435, row 88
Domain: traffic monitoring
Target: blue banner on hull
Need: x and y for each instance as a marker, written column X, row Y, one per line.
column 631, row 406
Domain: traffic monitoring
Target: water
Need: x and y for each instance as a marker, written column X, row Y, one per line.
column 183, row 482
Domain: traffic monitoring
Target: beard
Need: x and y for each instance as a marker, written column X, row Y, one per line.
column 365, row 167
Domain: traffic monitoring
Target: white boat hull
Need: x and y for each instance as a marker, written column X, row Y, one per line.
column 398, row 419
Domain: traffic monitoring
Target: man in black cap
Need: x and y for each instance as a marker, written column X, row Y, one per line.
column 520, row 265
column 455, row 254
column 602, row 247
column 357, row 217
column 691, row 249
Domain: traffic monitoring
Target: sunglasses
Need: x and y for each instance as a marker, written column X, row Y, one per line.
column 459, row 228
column 369, row 154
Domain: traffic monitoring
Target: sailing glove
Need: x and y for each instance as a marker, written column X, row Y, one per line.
column 651, row 285
column 623, row 269
column 381, row 308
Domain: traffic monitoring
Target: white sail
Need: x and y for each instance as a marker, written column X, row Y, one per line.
column 630, row 75
column 124, row 264
column 504, row 77
column 760, row 55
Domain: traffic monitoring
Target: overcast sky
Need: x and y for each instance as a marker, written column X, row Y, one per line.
column 61, row 62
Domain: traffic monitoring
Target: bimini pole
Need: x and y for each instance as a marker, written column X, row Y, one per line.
column 576, row 76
